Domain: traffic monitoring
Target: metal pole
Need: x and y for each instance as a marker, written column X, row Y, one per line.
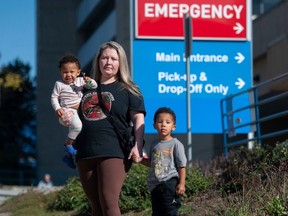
column 188, row 36
column 188, row 101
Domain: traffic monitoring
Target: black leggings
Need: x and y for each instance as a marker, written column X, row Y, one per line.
column 102, row 180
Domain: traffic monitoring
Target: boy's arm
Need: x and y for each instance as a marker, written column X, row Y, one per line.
column 182, row 177
column 145, row 162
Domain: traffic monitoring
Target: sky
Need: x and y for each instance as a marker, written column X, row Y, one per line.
column 18, row 32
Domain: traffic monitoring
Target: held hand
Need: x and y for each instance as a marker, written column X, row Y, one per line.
column 136, row 159
column 134, row 155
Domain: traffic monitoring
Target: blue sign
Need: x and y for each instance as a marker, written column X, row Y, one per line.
column 217, row 69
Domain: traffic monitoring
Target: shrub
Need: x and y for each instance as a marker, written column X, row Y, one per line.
column 196, row 181
column 250, row 181
column 277, row 206
column 247, row 182
column 134, row 194
column 71, row 197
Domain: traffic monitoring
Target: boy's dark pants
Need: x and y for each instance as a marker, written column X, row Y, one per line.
column 164, row 200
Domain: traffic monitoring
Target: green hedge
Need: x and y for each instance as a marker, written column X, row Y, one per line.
column 134, row 194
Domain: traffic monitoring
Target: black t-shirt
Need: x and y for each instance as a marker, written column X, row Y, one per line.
column 98, row 137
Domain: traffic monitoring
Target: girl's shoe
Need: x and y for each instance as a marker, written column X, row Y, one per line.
column 70, row 149
column 69, row 161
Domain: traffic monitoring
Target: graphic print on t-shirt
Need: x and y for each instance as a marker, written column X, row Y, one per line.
column 91, row 108
column 161, row 161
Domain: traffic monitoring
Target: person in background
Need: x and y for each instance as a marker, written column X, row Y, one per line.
column 45, row 183
column 65, row 99
column 101, row 160
column 167, row 162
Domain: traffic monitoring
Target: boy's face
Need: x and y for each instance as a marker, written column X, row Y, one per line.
column 164, row 125
column 69, row 72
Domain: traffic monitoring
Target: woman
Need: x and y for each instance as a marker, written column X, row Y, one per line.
column 101, row 162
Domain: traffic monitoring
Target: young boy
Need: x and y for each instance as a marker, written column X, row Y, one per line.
column 167, row 162
column 65, row 99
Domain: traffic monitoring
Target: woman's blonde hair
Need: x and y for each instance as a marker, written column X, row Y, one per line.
column 123, row 74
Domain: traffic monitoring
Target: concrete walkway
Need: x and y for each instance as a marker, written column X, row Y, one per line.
column 10, row 191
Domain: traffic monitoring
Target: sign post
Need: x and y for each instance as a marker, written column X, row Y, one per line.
column 188, row 44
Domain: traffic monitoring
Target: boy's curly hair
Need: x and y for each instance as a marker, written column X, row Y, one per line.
column 165, row 110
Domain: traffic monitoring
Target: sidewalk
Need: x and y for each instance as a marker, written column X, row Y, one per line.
column 10, row 191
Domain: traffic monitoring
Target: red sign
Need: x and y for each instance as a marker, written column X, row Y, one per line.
column 211, row 19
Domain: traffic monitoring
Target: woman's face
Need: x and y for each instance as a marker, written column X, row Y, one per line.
column 109, row 64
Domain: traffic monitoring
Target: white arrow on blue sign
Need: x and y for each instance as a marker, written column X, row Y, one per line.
column 239, row 57
column 240, row 83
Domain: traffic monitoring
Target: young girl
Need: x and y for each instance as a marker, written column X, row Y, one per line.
column 65, row 99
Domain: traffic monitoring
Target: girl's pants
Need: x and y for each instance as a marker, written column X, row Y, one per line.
column 71, row 119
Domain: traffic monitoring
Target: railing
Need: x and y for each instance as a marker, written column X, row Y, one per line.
column 260, row 114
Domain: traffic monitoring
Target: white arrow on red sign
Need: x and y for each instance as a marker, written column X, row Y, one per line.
column 238, row 28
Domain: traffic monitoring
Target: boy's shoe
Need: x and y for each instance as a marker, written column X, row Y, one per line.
column 69, row 161
column 70, row 149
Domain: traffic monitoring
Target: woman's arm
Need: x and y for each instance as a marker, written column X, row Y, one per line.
column 138, row 124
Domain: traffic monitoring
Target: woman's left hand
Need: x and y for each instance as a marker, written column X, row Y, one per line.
column 134, row 154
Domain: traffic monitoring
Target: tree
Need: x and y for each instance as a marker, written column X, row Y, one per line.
column 17, row 116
